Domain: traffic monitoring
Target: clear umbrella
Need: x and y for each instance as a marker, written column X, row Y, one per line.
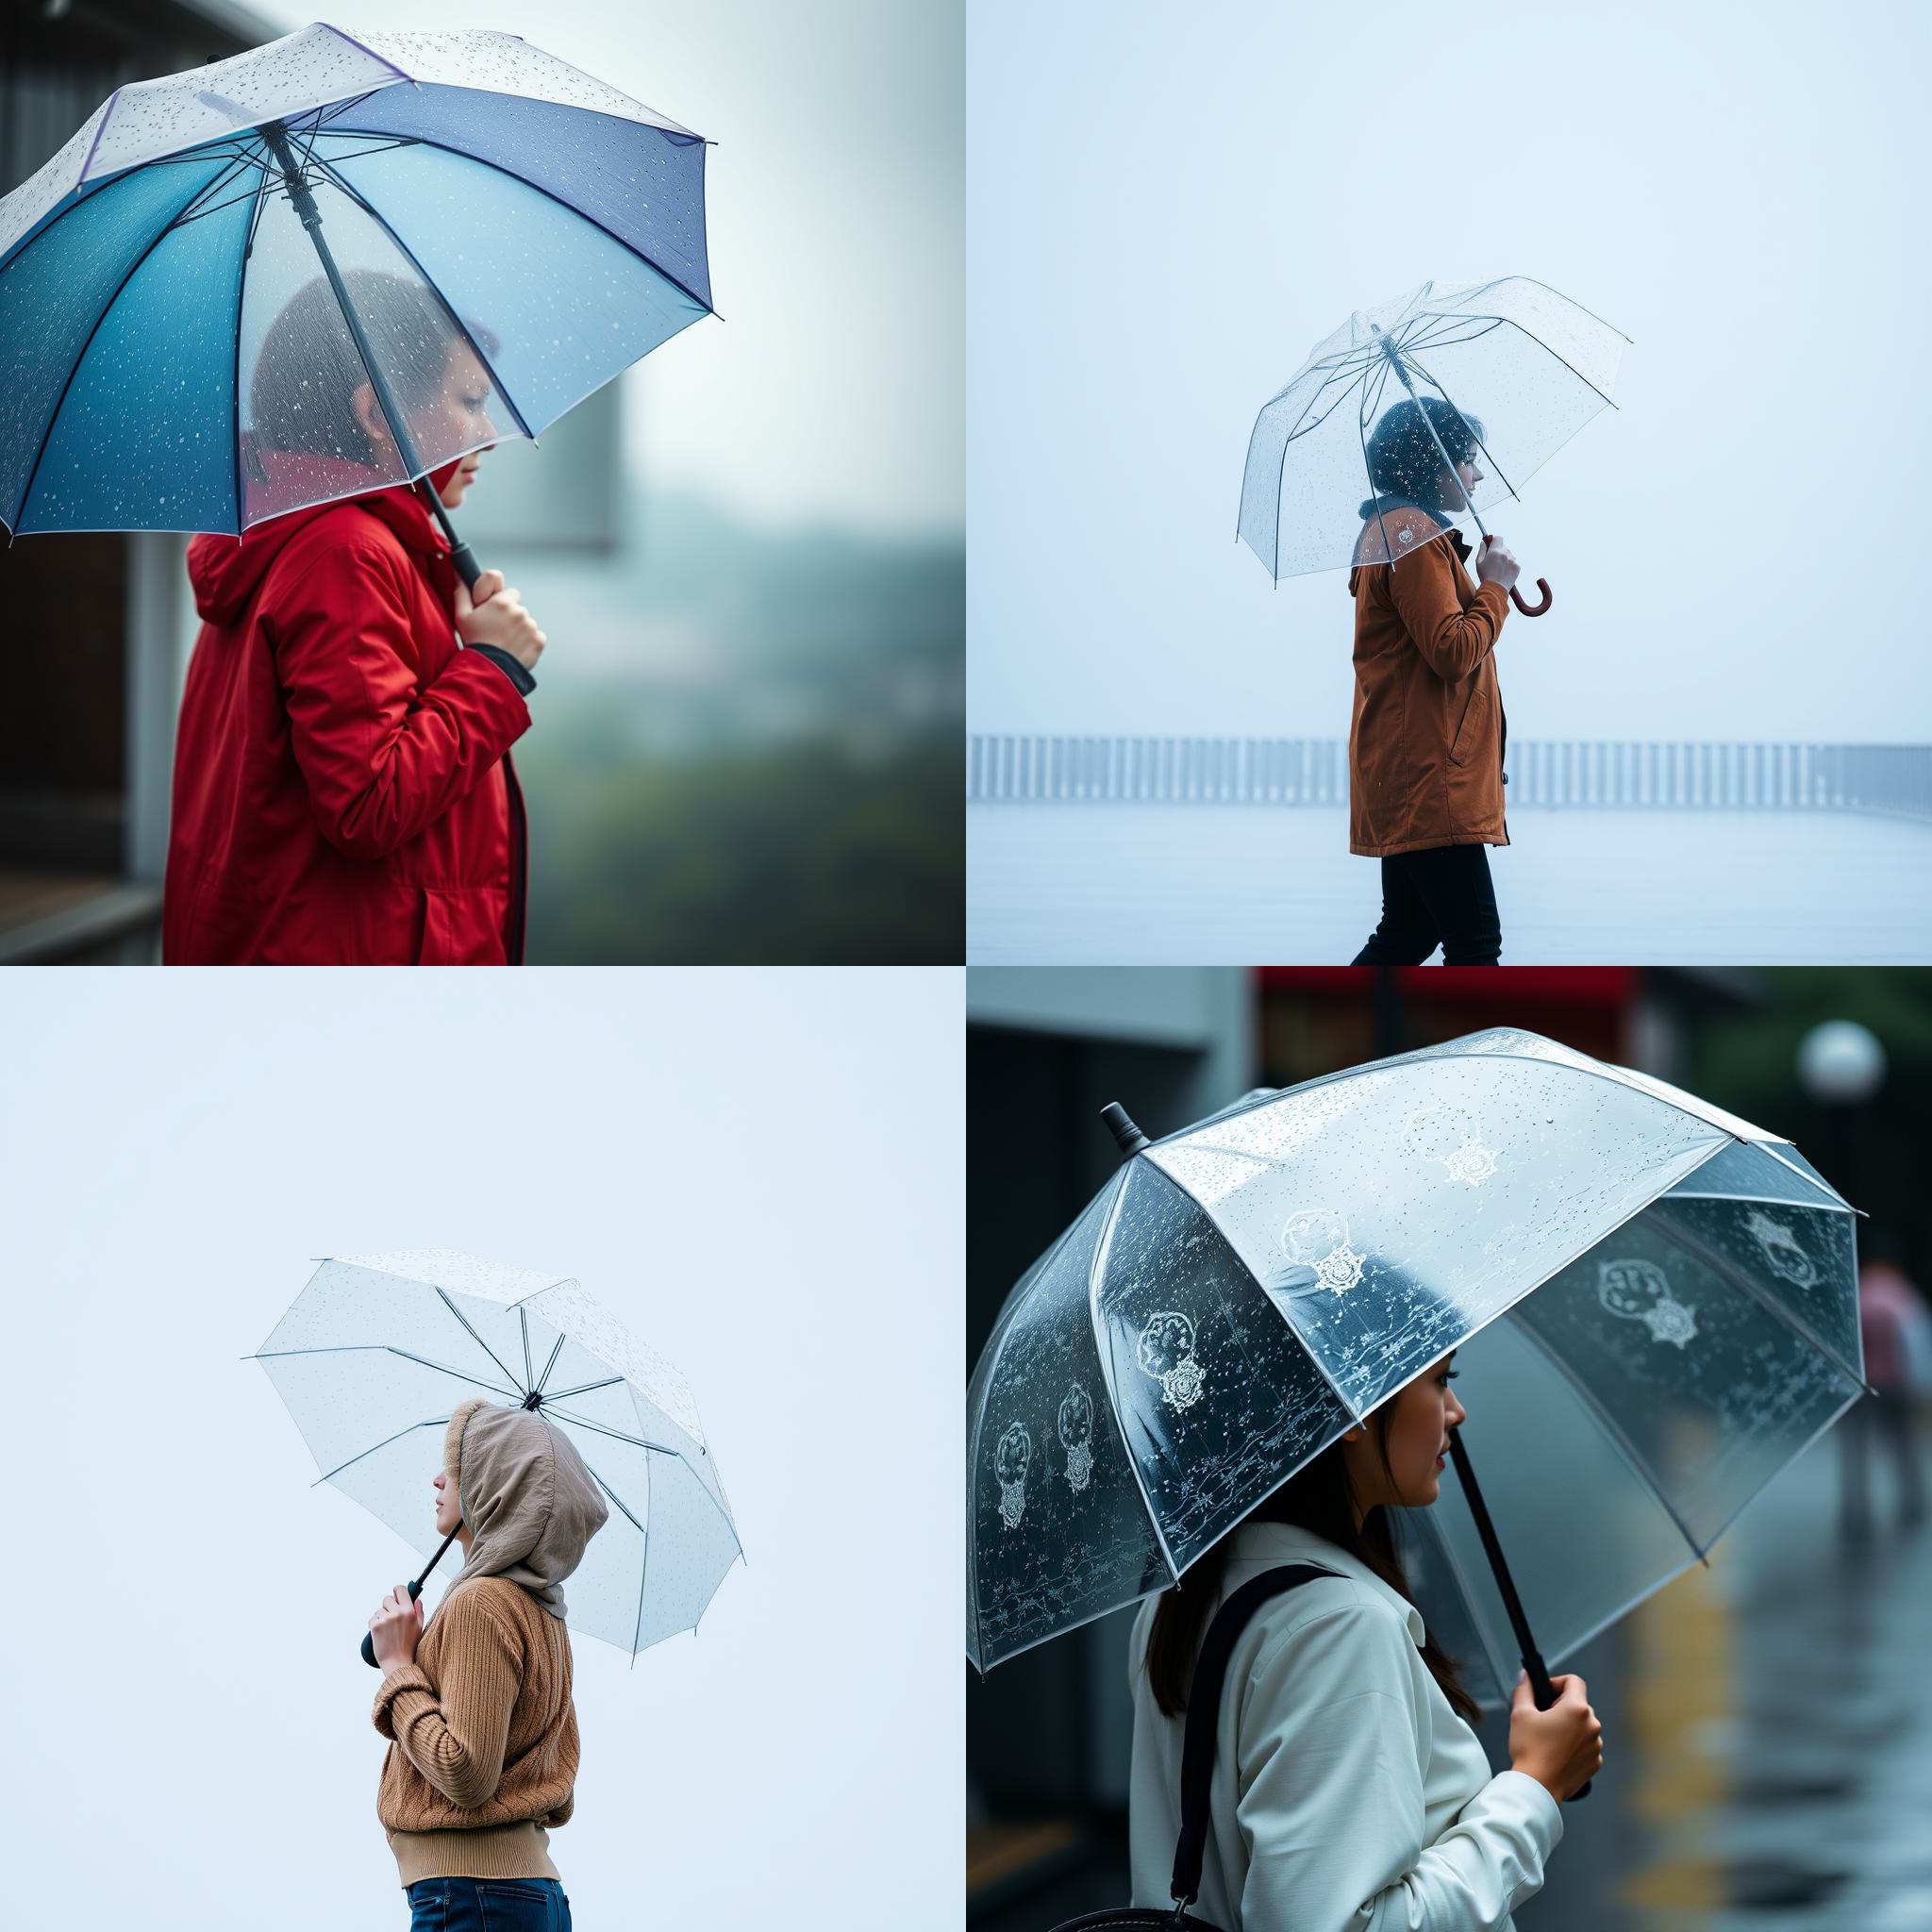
column 1348, row 464
column 377, row 1349
column 195, row 287
column 1654, row 1304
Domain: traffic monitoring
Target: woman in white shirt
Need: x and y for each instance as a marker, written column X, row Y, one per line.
column 1349, row 1792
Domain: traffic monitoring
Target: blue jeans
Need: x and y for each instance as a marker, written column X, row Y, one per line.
column 488, row 1905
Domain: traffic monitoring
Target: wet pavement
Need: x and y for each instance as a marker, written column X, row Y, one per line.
column 1200, row 884
column 1768, row 1740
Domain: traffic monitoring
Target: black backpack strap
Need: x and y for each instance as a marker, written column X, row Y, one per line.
column 1204, row 1712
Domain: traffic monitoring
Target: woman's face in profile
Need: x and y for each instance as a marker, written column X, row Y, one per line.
column 1419, row 1420
column 454, row 418
column 1459, row 485
column 446, row 1513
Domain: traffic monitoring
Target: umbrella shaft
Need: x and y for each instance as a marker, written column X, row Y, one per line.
column 1518, row 1622
column 303, row 203
column 1395, row 355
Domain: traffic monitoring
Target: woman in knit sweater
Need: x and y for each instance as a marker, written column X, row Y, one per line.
column 483, row 1755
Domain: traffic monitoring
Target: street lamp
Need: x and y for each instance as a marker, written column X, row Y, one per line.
column 1841, row 1064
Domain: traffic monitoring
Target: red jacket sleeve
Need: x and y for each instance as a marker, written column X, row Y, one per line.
column 383, row 755
column 1425, row 593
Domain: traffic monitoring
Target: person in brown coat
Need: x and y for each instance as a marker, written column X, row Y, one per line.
column 1425, row 742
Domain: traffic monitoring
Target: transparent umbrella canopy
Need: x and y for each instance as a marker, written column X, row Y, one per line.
column 378, row 1350
column 1654, row 1305
column 195, row 286
column 1339, row 461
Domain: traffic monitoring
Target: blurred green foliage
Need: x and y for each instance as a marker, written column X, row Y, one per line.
column 809, row 850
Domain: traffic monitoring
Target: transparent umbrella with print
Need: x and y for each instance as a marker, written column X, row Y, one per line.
column 378, row 1350
column 1654, row 1305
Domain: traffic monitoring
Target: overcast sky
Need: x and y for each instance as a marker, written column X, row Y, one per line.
column 758, row 1173
column 1168, row 207
column 834, row 388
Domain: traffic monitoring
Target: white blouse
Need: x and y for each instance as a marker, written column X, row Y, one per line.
column 1347, row 1794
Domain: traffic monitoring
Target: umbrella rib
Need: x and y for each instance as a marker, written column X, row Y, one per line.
column 1614, row 1429
column 1369, row 473
column 619, row 1500
column 433, row 1422
column 555, row 1352
column 583, row 1387
column 482, row 161
column 1479, row 443
column 644, row 1566
column 386, row 1348
column 524, row 1323
column 235, row 386
column 635, row 1441
column 473, row 1336
column 47, row 433
column 1579, row 373
column 429, row 282
column 1095, row 1268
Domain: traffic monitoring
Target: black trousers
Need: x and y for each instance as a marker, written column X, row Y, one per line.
column 1441, row 897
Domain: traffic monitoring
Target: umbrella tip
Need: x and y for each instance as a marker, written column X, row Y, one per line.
column 1126, row 1135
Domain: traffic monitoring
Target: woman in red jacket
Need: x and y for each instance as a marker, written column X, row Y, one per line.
column 343, row 793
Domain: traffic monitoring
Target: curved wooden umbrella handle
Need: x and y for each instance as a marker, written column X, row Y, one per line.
column 1542, row 584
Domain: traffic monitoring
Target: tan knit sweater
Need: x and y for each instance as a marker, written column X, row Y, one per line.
column 484, row 1756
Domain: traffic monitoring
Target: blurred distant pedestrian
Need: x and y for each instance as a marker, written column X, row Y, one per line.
column 1893, row 1317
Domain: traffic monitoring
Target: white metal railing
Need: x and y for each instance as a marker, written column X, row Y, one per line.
column 1571, row 773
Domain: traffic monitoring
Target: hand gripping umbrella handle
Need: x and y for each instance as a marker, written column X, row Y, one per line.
column 1540, row 1688
column 416, row 1590
column 1542, row 584
column 369, row 1636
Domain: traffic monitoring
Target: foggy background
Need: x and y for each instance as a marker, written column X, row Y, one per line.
column 1167, row 210
column 756, row 1172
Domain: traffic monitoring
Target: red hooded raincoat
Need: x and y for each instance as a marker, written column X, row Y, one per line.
column 343, row 793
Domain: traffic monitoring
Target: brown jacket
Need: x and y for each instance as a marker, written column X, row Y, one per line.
column 1426, row 742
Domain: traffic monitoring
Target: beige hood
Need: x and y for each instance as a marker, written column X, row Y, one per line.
column 531, row 1504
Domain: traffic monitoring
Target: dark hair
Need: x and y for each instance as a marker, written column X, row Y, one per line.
column 309, row 369
column 1317, row 1497
column 1403, row 458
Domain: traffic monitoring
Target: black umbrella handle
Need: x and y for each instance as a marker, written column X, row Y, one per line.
column 1540, row 1688
column 416, row 1590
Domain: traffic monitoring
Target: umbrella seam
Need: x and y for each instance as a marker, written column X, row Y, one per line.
column 1094, row 1268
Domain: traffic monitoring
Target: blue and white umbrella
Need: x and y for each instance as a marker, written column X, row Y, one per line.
column 195, row 290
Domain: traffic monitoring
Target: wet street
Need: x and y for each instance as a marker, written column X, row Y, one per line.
column 1192, row 884
column 1768, row 1732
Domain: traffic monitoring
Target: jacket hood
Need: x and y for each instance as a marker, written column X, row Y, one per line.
column 531, row 1504
column 225, row 572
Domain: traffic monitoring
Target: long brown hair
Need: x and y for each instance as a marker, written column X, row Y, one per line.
column 1317, row 1497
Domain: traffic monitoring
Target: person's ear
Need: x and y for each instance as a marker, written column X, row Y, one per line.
column 368, row 413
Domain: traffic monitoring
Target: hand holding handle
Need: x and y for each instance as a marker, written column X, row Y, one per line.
column 369, row 1636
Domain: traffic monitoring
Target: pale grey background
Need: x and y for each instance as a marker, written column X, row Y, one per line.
column 758, row 1172
column 1167, row 207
